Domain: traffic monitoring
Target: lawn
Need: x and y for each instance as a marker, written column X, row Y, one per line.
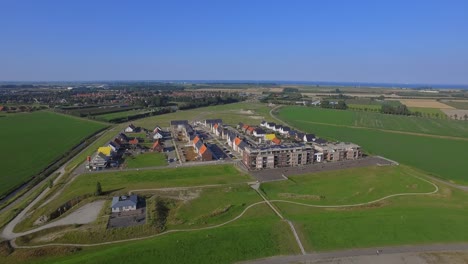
column 376, row 120
column 259, row 233
column 349, row 186
column 123, row 182
column 439, row 218
column 31, row 141
column 124, row 114
column 146, row 160
column 440, row 157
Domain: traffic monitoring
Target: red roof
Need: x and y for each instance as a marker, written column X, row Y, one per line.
column 276, row 141
column 1, row 107
column 203, row 149
column 251, row 129
column 245, row 126
column 237, row 141
column 216, row 126
column 196, row 139
column 133, row 141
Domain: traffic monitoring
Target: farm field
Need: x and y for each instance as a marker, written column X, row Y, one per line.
column 430, row 111
column 462, row 105
column 31, row 141
column 123, row 182
column 364, row 107
column 427, row 103
column 375, row 121
column 416, row 151
column 349, row 186
column 146, row 160
column 259, row 233
column 116, row 115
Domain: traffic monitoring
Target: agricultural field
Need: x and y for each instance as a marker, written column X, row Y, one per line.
column 31, row 141
column 462, row 105
column 428, row 111
column 146, row 160
column 441, row 157
column 426, row 103
column 119, row 115
column 375, row 121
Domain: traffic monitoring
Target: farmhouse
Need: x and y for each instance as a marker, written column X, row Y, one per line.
column 124, row 203
column 308, row 138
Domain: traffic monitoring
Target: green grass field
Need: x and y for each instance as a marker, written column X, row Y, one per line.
column 230, row 113
column 31, row 141
column 438, row 218
column 259, row 233
column 351, row 186
column 111, row 116
column 123, row 182
column 376, row 120
column 146, row 160
column 362, row 107
column 457, row 104
column 445, row 158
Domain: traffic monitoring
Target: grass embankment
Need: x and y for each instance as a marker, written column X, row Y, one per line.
column 351, row 186
column 123, row 182
column 31, row 141
column 257, row 234
column 186, row 209
column 440, row 157
column 146, row 160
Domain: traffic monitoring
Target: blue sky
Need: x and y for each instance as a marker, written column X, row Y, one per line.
column 363, row 41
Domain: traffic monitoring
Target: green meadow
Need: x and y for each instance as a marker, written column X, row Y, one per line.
column 351, row 186
column 376, row 120
column 31, row 141
column 122, row 182
column 441, row 157
column 146, row 160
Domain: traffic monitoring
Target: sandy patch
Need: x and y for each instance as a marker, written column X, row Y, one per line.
column 256, row 117
column 424, row 103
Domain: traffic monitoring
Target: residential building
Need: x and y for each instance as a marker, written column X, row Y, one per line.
column 124, row 203
column 338, row 151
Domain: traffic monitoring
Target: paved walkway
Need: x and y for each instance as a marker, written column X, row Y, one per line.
column 310, row 258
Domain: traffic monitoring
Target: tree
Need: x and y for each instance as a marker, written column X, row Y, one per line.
column 465, row 117
column 98, row 189
column 50, row 183
column 455, row 116
column 341, row 105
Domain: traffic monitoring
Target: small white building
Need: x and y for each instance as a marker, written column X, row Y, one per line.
column 130, row 129
column 157, row 135
column 124, row 203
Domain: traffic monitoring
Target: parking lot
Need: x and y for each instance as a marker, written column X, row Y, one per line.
column 281, row 173
column 129, row 218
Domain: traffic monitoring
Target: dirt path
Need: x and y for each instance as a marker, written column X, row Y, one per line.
column 219, row 225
